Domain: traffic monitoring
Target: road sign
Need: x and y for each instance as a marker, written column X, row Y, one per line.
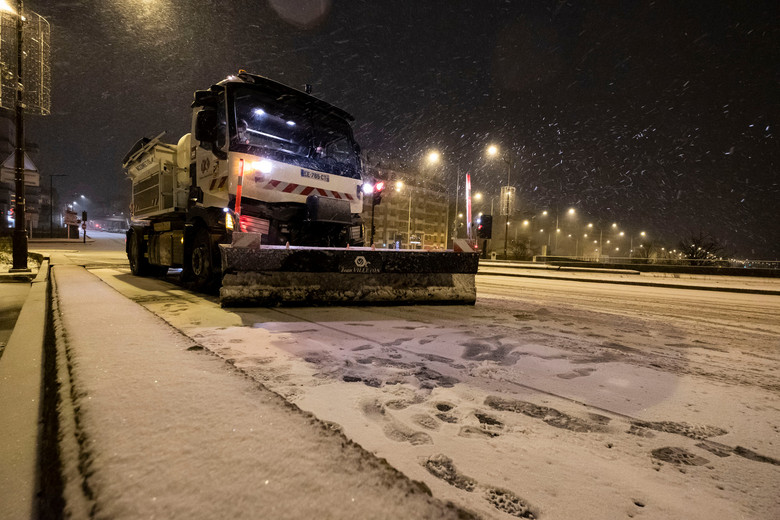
column 8, row 171
column 507, row 206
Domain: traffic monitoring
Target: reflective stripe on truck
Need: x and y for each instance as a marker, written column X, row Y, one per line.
column 300, row 189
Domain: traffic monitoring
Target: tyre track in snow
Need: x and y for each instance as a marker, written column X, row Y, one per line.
column 652, row 358
column 555, row 289
column 676, row 303
column 759, row 343
column 676, row 356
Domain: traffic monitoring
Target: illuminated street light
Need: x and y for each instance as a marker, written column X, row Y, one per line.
column 434, row 157
column 399, row 186
column 493, row 151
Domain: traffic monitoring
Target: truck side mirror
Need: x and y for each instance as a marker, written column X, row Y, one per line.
column 206, row 125
column 205, row 98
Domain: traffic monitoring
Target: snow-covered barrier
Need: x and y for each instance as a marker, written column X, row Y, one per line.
column 279, row 275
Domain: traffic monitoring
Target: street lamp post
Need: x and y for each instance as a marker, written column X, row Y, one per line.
column 508, row 205
column 434, row 157
column 457, row 198
column 20, row 217
column 408, row 217
column 51, row 202
column 571, row 212
column 493, row 150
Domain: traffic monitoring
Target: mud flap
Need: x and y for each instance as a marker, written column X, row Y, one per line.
column 278, row 275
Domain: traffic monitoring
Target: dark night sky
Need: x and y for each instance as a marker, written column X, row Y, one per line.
column 661, row 115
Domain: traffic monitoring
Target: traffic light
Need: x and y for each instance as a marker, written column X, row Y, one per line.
column 83, row 216
column 376, row 197
column 378, row 189
column 485, row 227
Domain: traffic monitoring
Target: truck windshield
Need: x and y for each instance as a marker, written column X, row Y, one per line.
column 286, row 129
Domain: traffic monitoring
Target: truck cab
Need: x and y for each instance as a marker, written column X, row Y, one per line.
column 284, row 161
column 262, row 158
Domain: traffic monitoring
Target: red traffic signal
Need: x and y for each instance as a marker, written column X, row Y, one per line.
column 485, row 228
column 378, row 188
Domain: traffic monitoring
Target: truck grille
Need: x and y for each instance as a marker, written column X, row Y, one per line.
column 355, row 233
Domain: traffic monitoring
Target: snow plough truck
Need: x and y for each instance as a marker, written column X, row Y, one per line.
column 263, row 200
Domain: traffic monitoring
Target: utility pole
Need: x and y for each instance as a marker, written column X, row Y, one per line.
column 506, row 224
column 20, row 216
column 457, row 194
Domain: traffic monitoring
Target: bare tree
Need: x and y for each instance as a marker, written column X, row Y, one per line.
column 701, row 249
column 646, row 251
column 520, row 250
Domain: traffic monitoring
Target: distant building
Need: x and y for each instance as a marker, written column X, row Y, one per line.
column 414, row 212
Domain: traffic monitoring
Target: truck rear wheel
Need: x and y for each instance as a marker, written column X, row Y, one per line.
column 139, row 264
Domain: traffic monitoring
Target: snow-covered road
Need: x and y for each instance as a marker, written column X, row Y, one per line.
column 568, row 399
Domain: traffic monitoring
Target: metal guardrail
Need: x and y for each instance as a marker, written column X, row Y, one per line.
column 676, row 262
